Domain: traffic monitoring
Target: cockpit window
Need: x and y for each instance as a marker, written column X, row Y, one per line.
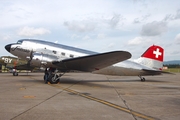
column 19, row 42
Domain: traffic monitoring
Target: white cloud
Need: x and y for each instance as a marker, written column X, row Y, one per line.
column 176, row 16
column 31, row 31
column 135, row 41
column 75, row 36
column 175, row 52
column 169, row 17
column 101, row 36
column 80, row 26
column 115, row 20
column 111, row 45
column 154, row 28
column 137, row 20
column 141, row 19
column 6, row 37
column 139, row 41
column 86, row 37
column 177, row 38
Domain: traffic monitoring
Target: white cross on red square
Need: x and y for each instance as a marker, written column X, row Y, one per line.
column 157, row 53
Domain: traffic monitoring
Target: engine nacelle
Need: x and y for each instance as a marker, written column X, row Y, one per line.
column 39, row 60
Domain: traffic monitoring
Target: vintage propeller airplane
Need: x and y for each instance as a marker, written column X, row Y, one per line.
column 14, row 64
column 64, row 58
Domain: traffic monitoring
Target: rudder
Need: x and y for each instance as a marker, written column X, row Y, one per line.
column 153, row 57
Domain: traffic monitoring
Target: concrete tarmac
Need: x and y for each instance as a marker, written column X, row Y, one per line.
column 85, row 96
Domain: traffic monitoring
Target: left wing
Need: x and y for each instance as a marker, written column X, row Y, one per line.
column 92, row 62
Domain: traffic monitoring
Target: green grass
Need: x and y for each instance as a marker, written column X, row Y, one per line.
column 173, row 70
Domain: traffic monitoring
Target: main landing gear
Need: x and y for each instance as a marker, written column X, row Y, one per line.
column 51, row 76
column 142, row 78
column 15, row 73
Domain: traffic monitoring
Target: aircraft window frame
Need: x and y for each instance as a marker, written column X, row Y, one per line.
column 19, row 42
column 62, row 53
column 55, row 52
column 71, row 55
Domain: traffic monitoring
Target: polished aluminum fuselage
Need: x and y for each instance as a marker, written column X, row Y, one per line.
column 57, row 52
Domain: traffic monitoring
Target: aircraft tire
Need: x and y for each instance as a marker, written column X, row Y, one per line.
column 53, row 79
column 15, row 74
column 143, row 79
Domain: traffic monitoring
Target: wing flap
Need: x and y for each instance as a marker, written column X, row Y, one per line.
column 92, row 62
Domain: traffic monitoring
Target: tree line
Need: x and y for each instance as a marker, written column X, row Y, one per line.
column 172, row 65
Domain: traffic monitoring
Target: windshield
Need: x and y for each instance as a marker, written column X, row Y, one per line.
column 19, row 42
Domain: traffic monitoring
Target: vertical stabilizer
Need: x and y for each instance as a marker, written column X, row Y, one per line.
column 153, row 57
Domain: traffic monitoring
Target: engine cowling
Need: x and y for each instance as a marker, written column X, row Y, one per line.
column 39, row 60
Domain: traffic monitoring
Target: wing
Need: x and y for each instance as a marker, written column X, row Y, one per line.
column 20, row 67
column 92, row 62
column 24, row 67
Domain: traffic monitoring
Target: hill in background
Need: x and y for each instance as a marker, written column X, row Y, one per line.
column 172, row 62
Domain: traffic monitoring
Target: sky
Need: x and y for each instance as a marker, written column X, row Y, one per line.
column 96, row 25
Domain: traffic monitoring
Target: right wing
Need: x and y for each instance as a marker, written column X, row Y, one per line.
column 92, row 62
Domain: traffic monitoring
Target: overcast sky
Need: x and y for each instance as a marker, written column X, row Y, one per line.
column 96, row 25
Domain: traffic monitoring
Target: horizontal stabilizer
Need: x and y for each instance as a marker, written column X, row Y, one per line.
column 92, row 62
column 164, row 72
column 157, row 72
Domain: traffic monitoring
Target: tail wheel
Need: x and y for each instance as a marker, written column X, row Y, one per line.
column 143, row 79
column 53, row 79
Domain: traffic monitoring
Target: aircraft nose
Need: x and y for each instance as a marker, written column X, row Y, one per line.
column 8, row 47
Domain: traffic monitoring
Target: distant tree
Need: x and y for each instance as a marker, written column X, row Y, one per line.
column 172, row 65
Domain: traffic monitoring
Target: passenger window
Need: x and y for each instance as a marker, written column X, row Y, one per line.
column 71, row 56
column 63, row 53
column 54, row 52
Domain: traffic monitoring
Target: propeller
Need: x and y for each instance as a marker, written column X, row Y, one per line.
column 15, row 63
column 30, row 58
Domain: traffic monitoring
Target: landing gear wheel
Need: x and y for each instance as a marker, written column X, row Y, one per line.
column 143, row 79
column 53, row 79
column 15, row 74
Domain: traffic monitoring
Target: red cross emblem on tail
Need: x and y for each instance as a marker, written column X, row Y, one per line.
column 154, row 52
column 157, row 53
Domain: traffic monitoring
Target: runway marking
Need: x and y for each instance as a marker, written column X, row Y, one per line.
column 140, row 115
column 29, row 96
column 22, row 88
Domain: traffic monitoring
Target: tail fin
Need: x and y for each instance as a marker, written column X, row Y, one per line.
column 153, row 57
